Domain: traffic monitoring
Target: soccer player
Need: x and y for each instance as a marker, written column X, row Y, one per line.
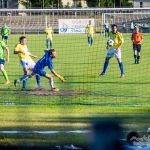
column 46, row 61
column 25, row 60
column 2, row 60
column 114, row 50
column 90, row 31
column 4, row 33
column 106, row 29
column 49, row 35
column 137, row 39
column 132, row 27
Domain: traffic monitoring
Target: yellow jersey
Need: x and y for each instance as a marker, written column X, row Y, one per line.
column 22, row 48
column 90, row 29
column 49, row 32
column 117, row 37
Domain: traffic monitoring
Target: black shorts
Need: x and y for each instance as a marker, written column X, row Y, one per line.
column 137, row 47
column 2, row 61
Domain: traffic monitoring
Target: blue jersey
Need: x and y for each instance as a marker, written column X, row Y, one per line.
column 46, row 60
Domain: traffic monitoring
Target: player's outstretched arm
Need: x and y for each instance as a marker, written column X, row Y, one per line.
column 30, row 54
column 58, row 75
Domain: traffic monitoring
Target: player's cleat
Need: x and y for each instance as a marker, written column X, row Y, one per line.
column 102, row 74
column 55, row 89
column 122, row 76
column 137, row 62
column 23, row 89
column 7, row 82
column 15, row 83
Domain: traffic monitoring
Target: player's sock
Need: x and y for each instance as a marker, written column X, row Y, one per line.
column 121, row 67
column 91, row 41
column 138, row 58
column 24, row 84
column 5, row 75
column 50, row 45
column 135, row 57
column 46, row 44
column 38, row 80
column 24, row 77
column 51, row 83
column 105, row 67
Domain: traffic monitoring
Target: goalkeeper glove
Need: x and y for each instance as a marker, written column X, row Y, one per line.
column 62, row 78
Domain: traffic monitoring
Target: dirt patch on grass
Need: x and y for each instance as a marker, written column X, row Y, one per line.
column 46, row 92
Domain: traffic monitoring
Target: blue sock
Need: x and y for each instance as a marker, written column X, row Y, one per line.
column 105, row 66
column 24, row 84
column 89, row 40
column 38, row 80
column 46, row 44
column 50, row 45
column 121, row 67
column 24, row 77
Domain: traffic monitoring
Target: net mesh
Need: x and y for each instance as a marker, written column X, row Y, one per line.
column 78, row 62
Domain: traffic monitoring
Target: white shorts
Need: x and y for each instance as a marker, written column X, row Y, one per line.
column 90, row 35
column 29, row 64
column 49, row 39
column 112, row 51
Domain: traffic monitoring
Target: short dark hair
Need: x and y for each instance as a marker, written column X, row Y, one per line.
column 21, row 38
column 132, row 137
column 51, row 51
column 114, row 25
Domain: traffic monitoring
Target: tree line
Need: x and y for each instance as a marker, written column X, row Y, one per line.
column 76, row 3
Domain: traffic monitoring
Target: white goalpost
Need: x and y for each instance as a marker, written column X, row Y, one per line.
column 141, row 19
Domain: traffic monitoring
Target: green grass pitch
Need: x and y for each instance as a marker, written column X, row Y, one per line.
column 91, row 97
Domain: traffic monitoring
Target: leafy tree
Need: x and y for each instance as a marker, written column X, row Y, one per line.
column 108, row 3
column 46, row 3
column 23, row 2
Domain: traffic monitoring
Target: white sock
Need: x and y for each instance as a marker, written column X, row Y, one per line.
column 51, row 82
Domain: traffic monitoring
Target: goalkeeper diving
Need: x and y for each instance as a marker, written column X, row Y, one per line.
column 46, row 61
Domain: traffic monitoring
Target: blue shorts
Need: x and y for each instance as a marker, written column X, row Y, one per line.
column 5, row 37
column 39, row 72
column 137, row 47
column 2, row 61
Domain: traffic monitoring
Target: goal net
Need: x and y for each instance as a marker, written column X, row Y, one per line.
column 78, row 62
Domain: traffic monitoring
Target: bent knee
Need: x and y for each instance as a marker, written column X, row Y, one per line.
column 1, row 68
column 107, row 59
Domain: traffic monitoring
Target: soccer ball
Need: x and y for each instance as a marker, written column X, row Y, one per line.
column 110, row 42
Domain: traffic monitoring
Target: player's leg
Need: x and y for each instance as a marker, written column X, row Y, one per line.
column 25, row 70
column 49, row 77
column 110, row 53
column 2, row 69
column 135, row 53
column 91, row 40
column 23, row 78
column 105, row 66
column 31, row 65
column 47, row 44
column 138, row 53
column 105, row 32
column 24, row 85
column 51, row 43
column 88, row 39
column 3, row 38
column 121, row 66
column 108, row 32
column 6, row 39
